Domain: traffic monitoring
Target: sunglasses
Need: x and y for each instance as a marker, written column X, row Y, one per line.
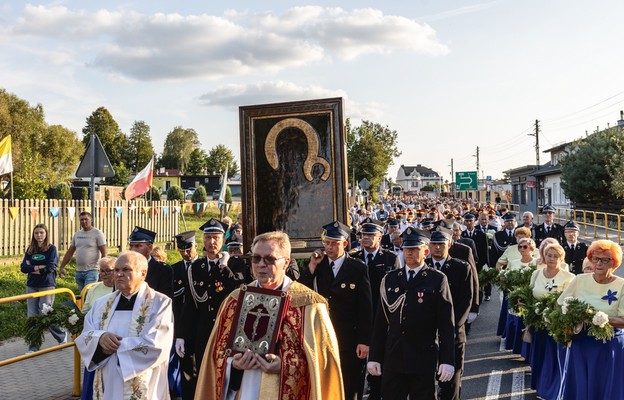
column 268, row 260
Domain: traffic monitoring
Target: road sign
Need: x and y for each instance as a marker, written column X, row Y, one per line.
column 365, row 184
column 488, row 179
column 466, row 180
column 102, row 166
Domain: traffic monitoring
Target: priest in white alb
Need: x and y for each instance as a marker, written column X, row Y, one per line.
column 127, row 336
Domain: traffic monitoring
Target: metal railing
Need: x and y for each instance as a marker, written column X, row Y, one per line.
column 593, row 224
column 77, row 366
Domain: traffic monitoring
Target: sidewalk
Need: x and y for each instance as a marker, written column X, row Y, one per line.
column 46, row 377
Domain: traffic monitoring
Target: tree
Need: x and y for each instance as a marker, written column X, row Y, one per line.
column 155, row 194
column 175, row 193
column 61, row 152
column 122, row 175
column 199, row 195
column 115, row 143
column 218, row 157
column 589, row 174
column 62, row 191
column 371, row 149
column 29, row 184
column 228, row 195
column 140, row 147
column 178, row 147
column 197, row 162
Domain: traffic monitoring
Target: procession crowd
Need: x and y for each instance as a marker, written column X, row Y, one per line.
column 383, row 309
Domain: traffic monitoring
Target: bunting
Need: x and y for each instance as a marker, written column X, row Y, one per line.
column 54, row 212
column 176, row 209
column 87, row 209
column 13, row 212
column 197, row 206
column 118, row 211
column 165, row 210
column 103, row 211
column 34, row 212
column 71, row 211
column 146, row 210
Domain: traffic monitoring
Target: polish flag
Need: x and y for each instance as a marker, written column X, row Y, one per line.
column 141, row 183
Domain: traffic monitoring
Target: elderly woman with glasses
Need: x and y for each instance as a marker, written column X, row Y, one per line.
column 514, row 325
column 546, row 354
column 595, row 368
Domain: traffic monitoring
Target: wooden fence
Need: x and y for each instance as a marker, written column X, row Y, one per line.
column 115, row 218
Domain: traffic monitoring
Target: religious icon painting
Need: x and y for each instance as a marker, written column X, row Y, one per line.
column 257, row 320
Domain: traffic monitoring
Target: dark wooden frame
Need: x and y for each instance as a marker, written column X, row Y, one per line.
column 259, row 178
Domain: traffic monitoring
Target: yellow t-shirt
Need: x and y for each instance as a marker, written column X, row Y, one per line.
column 605, row 297
column 542, row 285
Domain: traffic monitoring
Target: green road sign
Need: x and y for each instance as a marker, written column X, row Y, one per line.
column 466, row 180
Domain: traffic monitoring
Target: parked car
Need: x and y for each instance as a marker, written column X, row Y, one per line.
column 216, row 194
column 188, row 193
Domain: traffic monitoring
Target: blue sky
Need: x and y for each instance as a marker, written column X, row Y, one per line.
column 448, row 76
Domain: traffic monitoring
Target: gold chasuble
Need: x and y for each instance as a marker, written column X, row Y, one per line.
column 308, row 350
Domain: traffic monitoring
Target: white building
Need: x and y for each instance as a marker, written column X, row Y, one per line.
column 549, row 177
column 413, row 179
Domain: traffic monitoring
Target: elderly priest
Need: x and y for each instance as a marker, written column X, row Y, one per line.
column 305, row 363
column 127, row 336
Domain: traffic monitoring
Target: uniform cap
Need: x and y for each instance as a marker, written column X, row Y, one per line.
column 414, row 237
column 571, row 225
column 509, row 217
column 469, row 217
column 234, row 245
column 213, row 226
column 548, row 208
column 440, row 235
column 336, row 230
column 185, row 240
column 141, row 235
column 426, row 222
column 392, row 222
column 370, row 225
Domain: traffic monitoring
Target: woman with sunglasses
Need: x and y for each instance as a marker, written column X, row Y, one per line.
column 514, row 326
column 546, row 355
column 595, row 368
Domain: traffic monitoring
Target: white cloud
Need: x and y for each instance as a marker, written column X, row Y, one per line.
column 174, row 46
column 234, row 95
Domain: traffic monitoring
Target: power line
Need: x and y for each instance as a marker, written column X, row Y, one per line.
column 551, row 120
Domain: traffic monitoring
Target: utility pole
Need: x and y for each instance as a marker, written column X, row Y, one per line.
column 477, row 155
column 537, row 162
column 453, row 179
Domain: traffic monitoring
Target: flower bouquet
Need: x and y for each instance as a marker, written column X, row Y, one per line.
column 487, row 276
column 510, row 279
column 533, row 315
column 569, row 319
column 519, row 300
column 66, row 316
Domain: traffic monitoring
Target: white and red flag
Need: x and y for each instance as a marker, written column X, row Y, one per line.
column 141, row 183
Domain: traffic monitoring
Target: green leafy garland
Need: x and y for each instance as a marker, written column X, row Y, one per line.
column 510, row 279
column 570, row 318
column 65, row 316
column 487, row 276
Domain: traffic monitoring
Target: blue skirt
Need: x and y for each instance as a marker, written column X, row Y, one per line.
column 513, row 329
column 595, row 369
column 536, row 358
column 87, row 385
column 502, row 317
column 548, row 379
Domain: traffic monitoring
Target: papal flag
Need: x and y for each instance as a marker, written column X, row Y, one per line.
column 6, row 157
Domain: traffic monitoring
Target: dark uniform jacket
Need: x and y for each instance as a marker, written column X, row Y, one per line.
column 463, row 252
column 350, row 310
column 208, row 287
column 556, row 231
column 500, row 242
column 386, row 243
column 180, row 282
column 412, row 338
column 481, row 243
column 240, row 267
column 160, row 277
column 383, row 262
column 574, row 258
column 461, row 283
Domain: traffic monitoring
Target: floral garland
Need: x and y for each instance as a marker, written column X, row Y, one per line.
column 66, row 316
column 574, row 315
column 510, row 279
column 487, row 276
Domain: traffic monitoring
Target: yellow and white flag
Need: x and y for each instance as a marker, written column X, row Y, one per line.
column 6, row 156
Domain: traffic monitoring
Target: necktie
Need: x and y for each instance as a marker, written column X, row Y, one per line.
column 411, row 275
column 370, row 259
column 572, row 247
column 332, row 265
column 548, row 229
column 213, row 264
column 509, row 234
column 438, row 266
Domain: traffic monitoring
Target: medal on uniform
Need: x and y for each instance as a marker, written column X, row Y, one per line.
column 342, row 286
column 420, row 297
column 218, row 286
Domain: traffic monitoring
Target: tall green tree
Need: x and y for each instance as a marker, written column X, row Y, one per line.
column 220, row 156
column 371, row 149
column 591, row 173
column 114, row 141
column 43, row 155
column 140, row 147
column 178, row 147
column 197, row 163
